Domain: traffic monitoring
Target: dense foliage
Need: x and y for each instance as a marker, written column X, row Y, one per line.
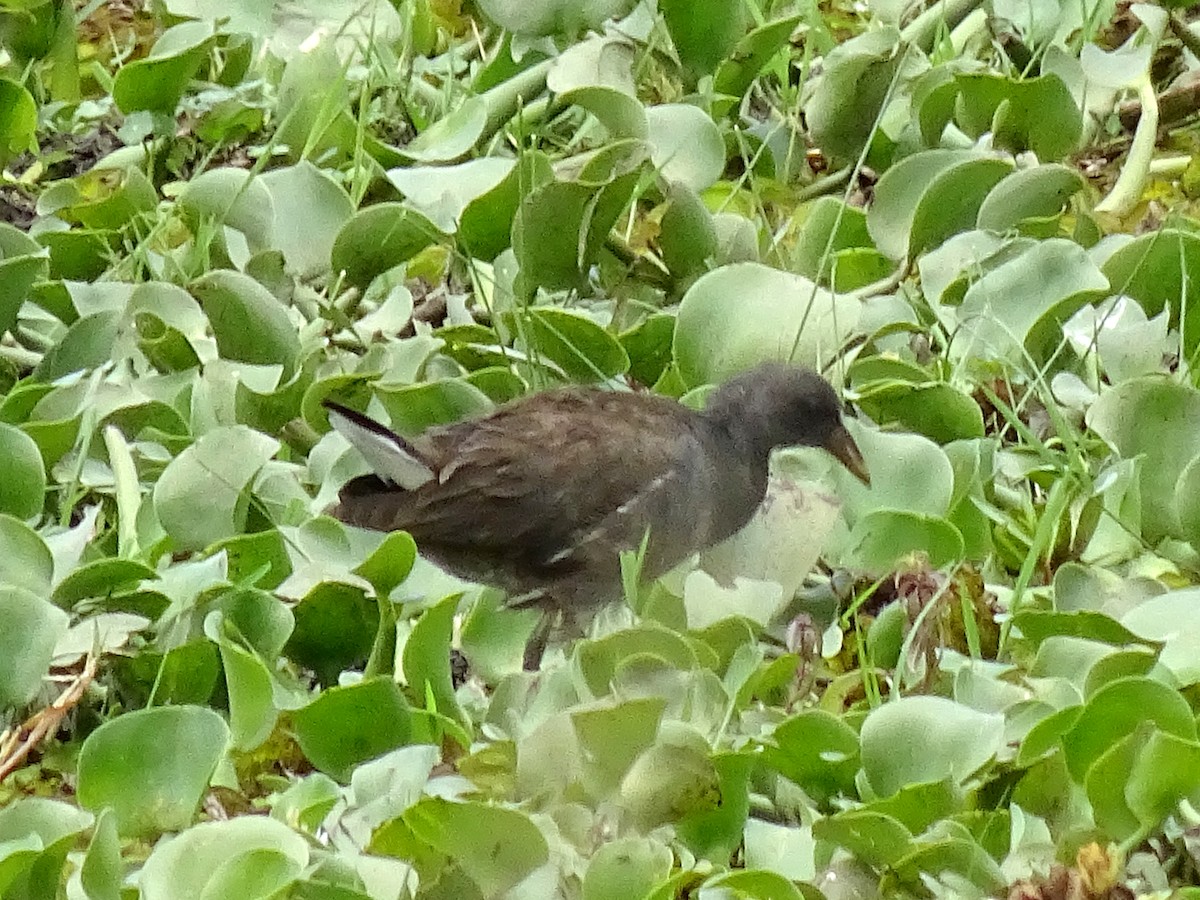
column 974, row 217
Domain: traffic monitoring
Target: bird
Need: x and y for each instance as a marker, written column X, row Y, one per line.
column 540, row 496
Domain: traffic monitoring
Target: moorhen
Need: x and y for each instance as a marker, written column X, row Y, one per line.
column 539, row 497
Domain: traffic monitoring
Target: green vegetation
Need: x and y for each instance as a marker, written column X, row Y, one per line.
column 975, row 218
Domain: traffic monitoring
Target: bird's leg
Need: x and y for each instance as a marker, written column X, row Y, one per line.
column 535, row 647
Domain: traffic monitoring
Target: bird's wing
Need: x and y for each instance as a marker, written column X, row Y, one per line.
column 390, row 456
column 502, row 485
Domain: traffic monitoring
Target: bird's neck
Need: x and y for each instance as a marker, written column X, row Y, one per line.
column 741, row 482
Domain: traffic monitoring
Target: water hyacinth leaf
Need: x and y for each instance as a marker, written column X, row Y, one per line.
column 688, row 239
column 199, row 496
column 252, row 711
column 816, row 750
column 854, row 84
column 441, row 193
column 246, row 856
column 952, row 200
column 909, row 473
column 102, row 871
column 1105, row 783
column 310, row 210
column 345, row 726
column 151, row 766
column 100, row 578
column 23, row 488
column 648, row 346
column 714, row 832
column 884, row 536
column 1001, row 311
column 1158, row 420
column 547, row 232
column 23, row 262
column 390, row 563
column 335, row 629
column 1167, row 769
column 1118, row 710
column 485, row 225
column 674, row 778
column 452, row 136
column 737, row 70
column 831, row 225
column 18, row 120
column 1172, row 618
column 952, row 858
column 703, row 33
column 1035, row 114
column 32, row 629
column 495, row 847
column 925, row 739
column 597, row 61
column 87, row 344
column 379, row 238
column 233, row 197
column 416, row 407
column 249, row 323
column 25, row 560
column 621, row 114
column 1155, row 270
column 874, row 838
column 739, row 315
column 626, row 868
column 611, row 734
column 574, row 343
column 426, row 658
column 929, row 196
column 1039, row 192
column 157, row 82
column 547, row 17
column 686, row 145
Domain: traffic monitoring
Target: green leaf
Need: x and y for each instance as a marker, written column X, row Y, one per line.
column 199, row 496
column 426, row 660
column 816, row 750
column 250, row 325
column 252, row 857
column 924, row 739
column 378, row 238
column 739, row 315
column 1116, row 710
column 157, row 82
column 345, row 726
column 496, row 847
column 151, row 766
column 32, row 629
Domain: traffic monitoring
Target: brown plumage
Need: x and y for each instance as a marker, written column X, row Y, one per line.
column 541, row 496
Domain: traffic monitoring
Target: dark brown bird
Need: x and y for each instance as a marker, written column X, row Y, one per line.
column 540, row 497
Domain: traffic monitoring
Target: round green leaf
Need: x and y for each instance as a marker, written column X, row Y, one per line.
column 151, row 766
column 246, row 857
column 249, row 323
column 685, row 145
column 345, row 726
column 199, row 496
column 25, row 560
column 576, row 344
column 378, row 238
column 923, row 739
column 496, row 847
column 739, row 315
column 1158, row 420
column 1116, row 710
column 32, row 628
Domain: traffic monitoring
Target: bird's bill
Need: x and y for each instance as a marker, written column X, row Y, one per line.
column 845, row 451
